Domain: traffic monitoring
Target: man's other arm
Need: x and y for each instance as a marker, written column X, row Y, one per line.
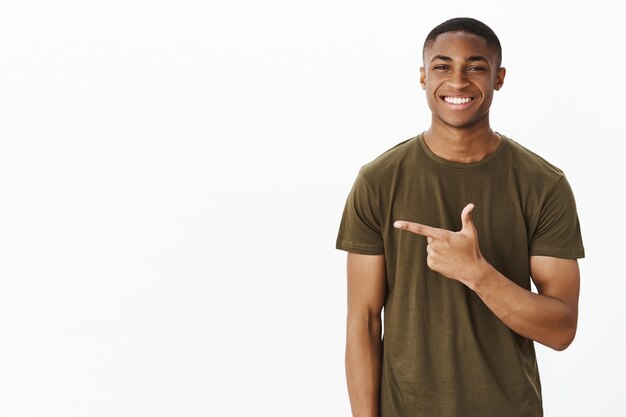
column 549, row 317
column 366, row 297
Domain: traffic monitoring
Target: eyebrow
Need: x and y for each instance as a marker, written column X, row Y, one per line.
column 468, row 59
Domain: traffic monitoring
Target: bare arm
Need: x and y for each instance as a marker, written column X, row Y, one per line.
column 366, row 297
column 549, row 317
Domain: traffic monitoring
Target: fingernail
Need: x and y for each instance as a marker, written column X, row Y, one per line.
column 397, row 225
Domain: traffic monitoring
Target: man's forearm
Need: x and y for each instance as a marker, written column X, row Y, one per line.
column 542, row 318
column 363, row 364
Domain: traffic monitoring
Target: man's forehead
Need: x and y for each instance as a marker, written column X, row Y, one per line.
column 467, row 58
column 458, row 39
column 459, row 45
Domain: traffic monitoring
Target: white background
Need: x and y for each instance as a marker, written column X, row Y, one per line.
column 172, row 176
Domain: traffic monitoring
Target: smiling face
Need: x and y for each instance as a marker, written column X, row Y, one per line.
column 460, row 74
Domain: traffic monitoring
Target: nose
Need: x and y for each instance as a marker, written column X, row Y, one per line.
column 458, row 80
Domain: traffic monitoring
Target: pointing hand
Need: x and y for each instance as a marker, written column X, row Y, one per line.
column 455, row 255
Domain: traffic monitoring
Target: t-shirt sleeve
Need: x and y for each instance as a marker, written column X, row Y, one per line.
column 558, row 230
column 360, row 230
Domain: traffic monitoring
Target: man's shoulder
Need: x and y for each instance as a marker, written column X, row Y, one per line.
column 532, row 165
column 390, row 160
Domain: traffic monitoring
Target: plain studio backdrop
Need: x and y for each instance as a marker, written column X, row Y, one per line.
column 172, row 176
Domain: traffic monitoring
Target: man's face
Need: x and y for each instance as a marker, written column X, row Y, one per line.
column 459, row 75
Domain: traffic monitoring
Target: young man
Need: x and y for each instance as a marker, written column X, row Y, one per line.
column 445, row 231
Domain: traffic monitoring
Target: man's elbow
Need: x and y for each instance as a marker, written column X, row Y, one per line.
column 562, row 346
column 564, row 340
column 369, row 319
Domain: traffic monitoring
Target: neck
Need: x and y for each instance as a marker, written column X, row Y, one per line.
column 461, row 145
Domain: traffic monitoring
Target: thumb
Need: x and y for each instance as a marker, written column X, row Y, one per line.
column 466, row 219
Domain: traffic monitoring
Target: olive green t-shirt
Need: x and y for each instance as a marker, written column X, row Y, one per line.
column 445, row 354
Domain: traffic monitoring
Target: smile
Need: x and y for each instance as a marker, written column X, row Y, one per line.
column 458, row 100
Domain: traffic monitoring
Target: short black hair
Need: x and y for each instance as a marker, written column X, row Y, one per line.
column 466, row 24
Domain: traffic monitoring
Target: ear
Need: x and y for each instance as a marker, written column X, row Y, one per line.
column 423, row 78
column 500, row 77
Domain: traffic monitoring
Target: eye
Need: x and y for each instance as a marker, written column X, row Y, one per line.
column 440, row 67
column 475, row 68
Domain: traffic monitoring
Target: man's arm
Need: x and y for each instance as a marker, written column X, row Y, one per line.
column 549, row 317
column 366, row 297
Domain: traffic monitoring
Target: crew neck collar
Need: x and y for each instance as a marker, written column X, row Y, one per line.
column 502, row 144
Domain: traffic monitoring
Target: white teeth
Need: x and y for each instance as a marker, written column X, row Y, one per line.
column 457, row 100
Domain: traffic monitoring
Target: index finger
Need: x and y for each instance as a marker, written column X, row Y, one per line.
column 420, row 229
